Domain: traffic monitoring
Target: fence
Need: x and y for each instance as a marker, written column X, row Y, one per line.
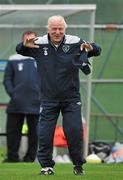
column 107, row 128
column 103, row 127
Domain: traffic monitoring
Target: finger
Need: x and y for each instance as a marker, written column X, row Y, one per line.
column 35, row 39
column 81, row 47
column 36, row 46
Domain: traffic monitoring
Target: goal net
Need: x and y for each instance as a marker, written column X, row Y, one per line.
column 15, row 19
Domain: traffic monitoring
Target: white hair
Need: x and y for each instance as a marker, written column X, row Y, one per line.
column 52, row 18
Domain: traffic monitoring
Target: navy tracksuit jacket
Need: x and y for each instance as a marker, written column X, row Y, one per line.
column 59, row 72
column 22, row 85
column 58, row 67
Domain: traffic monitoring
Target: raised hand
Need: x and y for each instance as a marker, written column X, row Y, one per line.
column 30, row 42
column 87, row 46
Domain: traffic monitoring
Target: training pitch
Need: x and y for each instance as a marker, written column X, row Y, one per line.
column 29, row 171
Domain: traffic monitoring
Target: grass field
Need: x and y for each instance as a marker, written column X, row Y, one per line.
column 29, row 171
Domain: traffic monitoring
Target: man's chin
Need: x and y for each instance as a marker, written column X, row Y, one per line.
column 57, row 42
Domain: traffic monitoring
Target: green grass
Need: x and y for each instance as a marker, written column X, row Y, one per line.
column 2, row 153
column 29, row 171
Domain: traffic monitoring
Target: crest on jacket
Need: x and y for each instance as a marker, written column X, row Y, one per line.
column 20, row 66
column 45, row 51
column 65, row 48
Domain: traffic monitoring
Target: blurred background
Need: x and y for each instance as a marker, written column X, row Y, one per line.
column 106, row 114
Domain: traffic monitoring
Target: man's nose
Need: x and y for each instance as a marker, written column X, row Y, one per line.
column 57, row 31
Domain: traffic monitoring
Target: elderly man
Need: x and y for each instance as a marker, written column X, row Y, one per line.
column 59, row 57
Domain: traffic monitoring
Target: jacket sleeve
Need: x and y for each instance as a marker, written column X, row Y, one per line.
column 8, row 79
column 21, row 49
column 96, row 50
column 25, row 51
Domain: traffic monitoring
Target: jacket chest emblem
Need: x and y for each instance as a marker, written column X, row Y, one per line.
column 45, row 49
column 65, row 48
column 20, row 66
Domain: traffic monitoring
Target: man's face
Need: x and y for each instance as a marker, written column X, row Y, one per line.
column 56, row 31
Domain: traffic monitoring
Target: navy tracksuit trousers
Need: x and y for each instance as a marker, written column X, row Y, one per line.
column 72, row 126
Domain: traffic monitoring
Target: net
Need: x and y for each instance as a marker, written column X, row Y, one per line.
column 15, row 19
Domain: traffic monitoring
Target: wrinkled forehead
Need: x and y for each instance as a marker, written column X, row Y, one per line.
column 56, row 23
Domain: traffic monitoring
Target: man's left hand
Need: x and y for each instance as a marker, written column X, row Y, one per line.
column 87, row 46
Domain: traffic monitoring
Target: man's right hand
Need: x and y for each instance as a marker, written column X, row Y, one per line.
column 30, row 43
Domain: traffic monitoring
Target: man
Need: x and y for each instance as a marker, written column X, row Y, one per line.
column 59, row 57
column 21, row 84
